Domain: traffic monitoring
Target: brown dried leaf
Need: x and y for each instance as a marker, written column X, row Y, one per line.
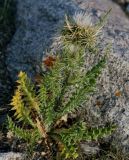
column 41, row 128
column 118, row 93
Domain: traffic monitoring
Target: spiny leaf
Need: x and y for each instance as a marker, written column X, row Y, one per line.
column 26, row 86
column 21, row 112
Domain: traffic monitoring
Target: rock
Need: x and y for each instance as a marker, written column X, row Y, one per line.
column 113, row 85
column 11, row 156
column 90, row 148
column 38, row 21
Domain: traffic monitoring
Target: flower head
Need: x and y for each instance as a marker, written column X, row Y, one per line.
column 82, row 19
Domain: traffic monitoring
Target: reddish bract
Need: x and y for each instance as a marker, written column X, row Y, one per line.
column 49, row 61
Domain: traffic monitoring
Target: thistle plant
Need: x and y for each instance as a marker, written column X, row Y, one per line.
column 44, row 111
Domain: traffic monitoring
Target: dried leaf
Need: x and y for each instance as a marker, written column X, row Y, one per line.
column 41, row 128
column 98, row 103
column 118, row 93
column 49, row 61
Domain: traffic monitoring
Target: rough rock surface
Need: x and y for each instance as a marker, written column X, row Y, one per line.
column 37, row 22
column 112, row 94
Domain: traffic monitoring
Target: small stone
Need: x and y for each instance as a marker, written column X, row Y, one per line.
column 10, row 135
column 43, row 153
column 11, row 156
column 90, row 148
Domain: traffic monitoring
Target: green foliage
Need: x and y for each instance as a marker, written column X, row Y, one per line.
column 21, row 132
column 44, row 110
column 96, row 133
column 30, row 136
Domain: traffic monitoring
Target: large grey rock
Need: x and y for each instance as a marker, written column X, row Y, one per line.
column 112, row 97
column 37, row 22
